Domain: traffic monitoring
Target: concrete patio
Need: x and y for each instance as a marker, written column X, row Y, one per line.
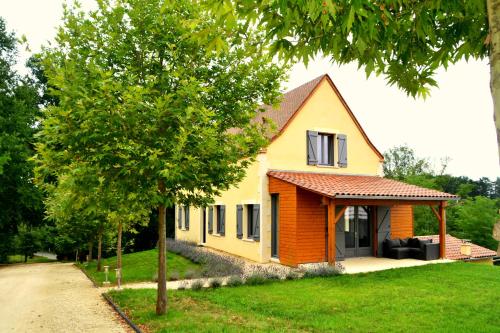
column 372, row 264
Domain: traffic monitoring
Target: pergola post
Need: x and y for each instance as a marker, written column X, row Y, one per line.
column 331, row 232
column 442, row 229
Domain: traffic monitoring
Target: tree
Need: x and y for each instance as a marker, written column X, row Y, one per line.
column 401, row 162
column 156, row 104
column 476, row 218
column 406, row 41
column 20, row 200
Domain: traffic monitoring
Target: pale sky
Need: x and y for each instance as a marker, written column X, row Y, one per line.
column 455, row 122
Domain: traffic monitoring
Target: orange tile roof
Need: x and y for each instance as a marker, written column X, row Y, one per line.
column 453, row 248
column 361, row 187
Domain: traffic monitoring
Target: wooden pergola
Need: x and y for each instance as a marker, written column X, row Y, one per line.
column 333, row 218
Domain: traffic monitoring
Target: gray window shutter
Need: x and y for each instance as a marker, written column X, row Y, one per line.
column 383, row 227
column 239, row 221
column 312, row 147
column 339, row 237
column 179, row 217
column 210, row 219
column 256, row 222
column 186, row 217
column 222, row 220
column 342, row 148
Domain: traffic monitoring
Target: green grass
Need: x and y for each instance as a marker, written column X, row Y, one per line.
column 18, row 258
column 458, row 297
column 140, row 267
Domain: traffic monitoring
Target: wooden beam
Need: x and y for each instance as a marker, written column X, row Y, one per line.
column 442, row 230
column 339, row 215
column 331, row 233
column 384, row 202
column 436, row 213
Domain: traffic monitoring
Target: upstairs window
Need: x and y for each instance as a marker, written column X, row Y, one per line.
column 325, row 149
column 320, row 149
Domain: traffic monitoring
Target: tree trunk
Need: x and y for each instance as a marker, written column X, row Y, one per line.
column 119, row 255
column 494, row 24
column 161, row 299
column 89, row 258
column 76, row 256
column 25, row 258
column 99, row 250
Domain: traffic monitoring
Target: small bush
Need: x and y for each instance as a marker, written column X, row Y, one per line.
column 292, row 275
column 182, row 286
column 256, row 279
column 321, row 271
column 215, row 283
column 155, row 277
column 189, row 274
column 174, row 276
column 197, row 285
column 213, row 263
column 234, row 281
column 271, row 276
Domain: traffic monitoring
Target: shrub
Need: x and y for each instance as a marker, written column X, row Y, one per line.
column 234, row 281
column 215, row 283
column 292, row 275
column 174, row 276
column 182, row 286
column 256, row 279
column 197, row 285
column 189, row 274
column 155, row 277
column 213, row 263
column 321, row 271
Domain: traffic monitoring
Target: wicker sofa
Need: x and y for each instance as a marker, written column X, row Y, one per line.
column 410, row 248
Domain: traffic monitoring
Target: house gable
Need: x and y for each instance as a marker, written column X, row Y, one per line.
column 319, row 108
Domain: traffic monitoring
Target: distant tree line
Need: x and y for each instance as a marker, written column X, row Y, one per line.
column 472, row 217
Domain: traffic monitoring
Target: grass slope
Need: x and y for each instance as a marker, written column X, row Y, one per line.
column 456, row 297
column 141, row 266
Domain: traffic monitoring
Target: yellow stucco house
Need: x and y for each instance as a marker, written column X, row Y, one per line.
column 315, row 194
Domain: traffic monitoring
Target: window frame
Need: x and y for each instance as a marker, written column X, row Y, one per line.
column 325, row 140
column 249, row 217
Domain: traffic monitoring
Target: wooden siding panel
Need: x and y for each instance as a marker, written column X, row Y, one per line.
column 311, row 225
column 287, row 220
column 401, row 221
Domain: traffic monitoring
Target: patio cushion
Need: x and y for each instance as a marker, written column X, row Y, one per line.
column 424, row 241
column 393, row 243
column 400, row 252
column 404, row 242
column 416, row 253
column 414, row 242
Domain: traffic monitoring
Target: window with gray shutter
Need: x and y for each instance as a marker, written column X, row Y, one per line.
column 210, row 219
column 179, row 217
column 256, row 222
column 312, row 147
column 342, row 148
column 186, row 217
column 239, row 221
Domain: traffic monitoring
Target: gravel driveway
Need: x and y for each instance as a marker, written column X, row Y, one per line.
column 52, row 297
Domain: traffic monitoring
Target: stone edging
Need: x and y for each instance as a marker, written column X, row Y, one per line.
column 121, row 313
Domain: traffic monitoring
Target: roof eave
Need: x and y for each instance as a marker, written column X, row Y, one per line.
column 392, row 197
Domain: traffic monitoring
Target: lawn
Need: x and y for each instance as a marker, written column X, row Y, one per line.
column 142, row 266
column 437, row 298
column 18, row 258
